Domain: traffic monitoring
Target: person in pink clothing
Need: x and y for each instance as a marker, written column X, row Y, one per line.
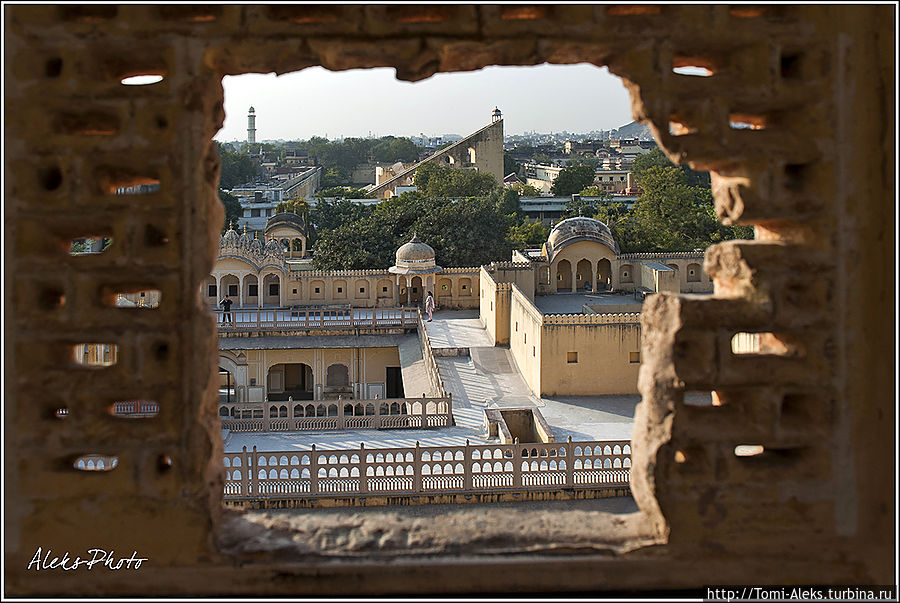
column 429, row 305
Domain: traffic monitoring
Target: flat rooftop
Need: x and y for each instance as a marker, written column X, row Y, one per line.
column 571, row 303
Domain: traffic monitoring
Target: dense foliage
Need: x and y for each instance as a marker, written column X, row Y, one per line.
column 572, row 180
column 463, row 232
column 338, row 158
column 470, row 219
column 344, row 192
column 670, row 215
column 434, row 180
column 656, row 158
column 233, row 209
column 237, row 168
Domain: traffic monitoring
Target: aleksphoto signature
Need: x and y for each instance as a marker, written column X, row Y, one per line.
column 106, row 560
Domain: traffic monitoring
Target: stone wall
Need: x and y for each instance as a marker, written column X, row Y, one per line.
column 816, row 81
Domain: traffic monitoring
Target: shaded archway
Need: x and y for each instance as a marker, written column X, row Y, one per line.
column 583, row 274
column 228, row 285
column 250, row 290
column 337, row 375
column 227, row 387
column 564, row 276
column 693, row 273
column 416, row 286
column 290, row 380
column 604, row 275
column 211, row 290
column 271, row 293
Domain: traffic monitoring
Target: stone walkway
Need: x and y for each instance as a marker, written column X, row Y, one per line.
column 412, row 366
column 457, row 329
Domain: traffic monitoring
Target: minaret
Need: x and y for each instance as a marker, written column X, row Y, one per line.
column 251, row 125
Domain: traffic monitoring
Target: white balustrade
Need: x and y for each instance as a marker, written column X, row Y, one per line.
column 422, row 470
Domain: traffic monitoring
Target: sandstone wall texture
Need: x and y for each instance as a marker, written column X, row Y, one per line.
column 816, row 177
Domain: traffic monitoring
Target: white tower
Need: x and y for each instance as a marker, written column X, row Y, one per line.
column 251, row 125
column 495, row 115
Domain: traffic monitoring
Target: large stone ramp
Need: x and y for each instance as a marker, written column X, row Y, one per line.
column 412, row 367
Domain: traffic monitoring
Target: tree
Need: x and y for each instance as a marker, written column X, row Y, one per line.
column 589, row 160
column 392, row 149
column 334, row 177
column 572, row 180
column 528, row 234
column 237, row 168
column 463, row 232
column 296, row 206
column 579, row 206
column 526, row 190
column 509, row 164
column 506, row 200
column 433, row 180
column 542, row 158
column 233, row 210
column 344, row 192
column 656, row 158
column 329, row 215
column 593, row 191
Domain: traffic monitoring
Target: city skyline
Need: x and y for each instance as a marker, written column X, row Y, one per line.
column 317, row 102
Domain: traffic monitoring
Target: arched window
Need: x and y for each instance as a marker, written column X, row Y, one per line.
column 337, row 375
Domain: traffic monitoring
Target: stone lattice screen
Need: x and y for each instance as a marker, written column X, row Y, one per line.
column 814, row 83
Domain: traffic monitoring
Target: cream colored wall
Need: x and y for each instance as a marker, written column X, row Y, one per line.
column 494, row 307
column 366, row 365
column 589, row 250
column 699, row 282
column 603, row 365
column 458, row 298
column 525, row 339
column 659, row 281
column 523, row 278
column 350, row 283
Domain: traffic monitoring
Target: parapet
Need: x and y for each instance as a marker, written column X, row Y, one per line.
column 592, row 319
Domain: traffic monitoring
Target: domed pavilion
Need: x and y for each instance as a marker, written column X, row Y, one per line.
column 416, row 270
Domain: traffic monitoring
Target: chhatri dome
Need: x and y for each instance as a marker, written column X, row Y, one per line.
column 414, row 257
column 573, row 230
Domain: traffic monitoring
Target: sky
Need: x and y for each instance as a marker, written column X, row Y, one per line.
column 317, row 102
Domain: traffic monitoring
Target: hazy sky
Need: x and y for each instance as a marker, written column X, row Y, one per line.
column 318, row 102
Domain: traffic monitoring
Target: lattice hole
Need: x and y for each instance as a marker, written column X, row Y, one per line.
column 89, row 245
column 703, row 398
column 95, row 354
column 746, row 121
column 745, row 450
column 53, row 67
column 764, row 343
column 114, row 181
column 131, row 297
column 523, row 12
column 88, row 124
column 134, row 409
column 692, row 66
column 679, row 128
column 633, row 9
column 142, row 79
column 51, row 178
column 95, row 462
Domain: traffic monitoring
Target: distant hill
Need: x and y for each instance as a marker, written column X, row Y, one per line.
column 633, row 130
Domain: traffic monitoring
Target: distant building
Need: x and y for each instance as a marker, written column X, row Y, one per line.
column 251, row 125
column 258, row 200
